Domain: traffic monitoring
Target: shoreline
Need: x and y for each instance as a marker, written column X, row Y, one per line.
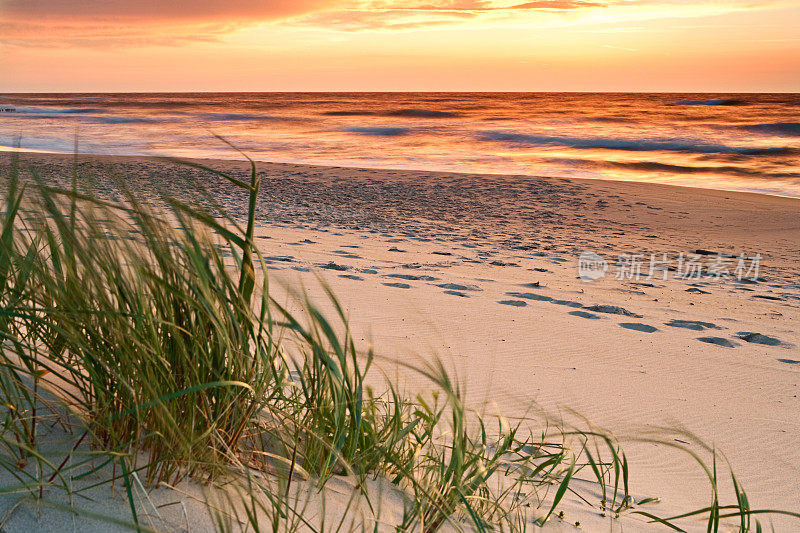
column 627, row 216
column 119, row 157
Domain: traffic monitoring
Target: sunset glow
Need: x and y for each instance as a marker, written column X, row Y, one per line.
column 285, row 45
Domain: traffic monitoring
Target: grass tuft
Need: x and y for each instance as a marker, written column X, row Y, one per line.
column 146, row 332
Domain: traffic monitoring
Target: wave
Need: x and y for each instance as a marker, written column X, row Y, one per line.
column 356, row 113
column 445, row 100
column 412, row 113
column 613, row 120
column 58, row 111
column 498, row 118
column 686, row 169
column 377, row 130
column 421, row 113
column 130, row 120
column 720, row 101
column 239, row 116
column 777, row 128
column 625, row 144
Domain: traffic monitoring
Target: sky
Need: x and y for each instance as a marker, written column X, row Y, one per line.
column 389, row 45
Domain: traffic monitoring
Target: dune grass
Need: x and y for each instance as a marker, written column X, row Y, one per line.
column 148, row 328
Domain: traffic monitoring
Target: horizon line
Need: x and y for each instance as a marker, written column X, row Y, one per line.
column 401, row 92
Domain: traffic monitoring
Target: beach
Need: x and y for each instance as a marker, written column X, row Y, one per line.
column 482, row 271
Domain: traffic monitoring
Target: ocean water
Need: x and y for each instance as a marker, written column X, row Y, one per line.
column 747, row 142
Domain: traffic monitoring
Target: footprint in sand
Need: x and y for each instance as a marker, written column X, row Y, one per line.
column 301, row 269
column 457, row 293
column 719, row 341
column 398, row 285
column 458, row 287
column 695, row 325
column 513, row 303
column 758, row 338
column 282, row 258
column 789, row 361
column 412, row 277
column 768, row 297
column 568, row 303
column 530, row 296
column 696, row 290
column 638, row 326
column 612, row 310
column 346, row 254
column 584, row 314
column 330, row 265
column 368, row 271
column 351, row 276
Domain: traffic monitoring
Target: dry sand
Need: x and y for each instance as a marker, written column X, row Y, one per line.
column 448, row 264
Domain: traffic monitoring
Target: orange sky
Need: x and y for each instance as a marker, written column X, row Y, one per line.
column 480, row 45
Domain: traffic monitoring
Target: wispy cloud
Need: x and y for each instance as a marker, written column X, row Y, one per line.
column 87, row 35
column 156, row 10
column 81, row 23
column 559, row 5
column 48, row 23
column 402, row 15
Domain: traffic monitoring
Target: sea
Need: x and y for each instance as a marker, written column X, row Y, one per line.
column 742, row 142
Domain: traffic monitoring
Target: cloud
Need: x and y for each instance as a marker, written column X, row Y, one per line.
column 401, row 15
column 558, row 5
column 88, row 35
column 96, row 23
column 121, row 23
column 389, row 19
column 159, row 10
column 100, row 23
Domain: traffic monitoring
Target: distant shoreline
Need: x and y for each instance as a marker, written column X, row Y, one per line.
column 242, row 161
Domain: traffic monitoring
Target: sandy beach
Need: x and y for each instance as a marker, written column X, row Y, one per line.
column 317, row 266
column 482, row 271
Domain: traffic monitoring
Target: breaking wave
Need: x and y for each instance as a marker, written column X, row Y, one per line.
column 377, row 130
column 57, row 111
column 779, row 128
column 421, row 113
column 721, row 101
column 625, row 144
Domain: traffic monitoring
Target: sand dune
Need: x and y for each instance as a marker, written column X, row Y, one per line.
column 483, row 271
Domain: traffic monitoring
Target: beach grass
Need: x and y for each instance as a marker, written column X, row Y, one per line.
column 146, row 326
